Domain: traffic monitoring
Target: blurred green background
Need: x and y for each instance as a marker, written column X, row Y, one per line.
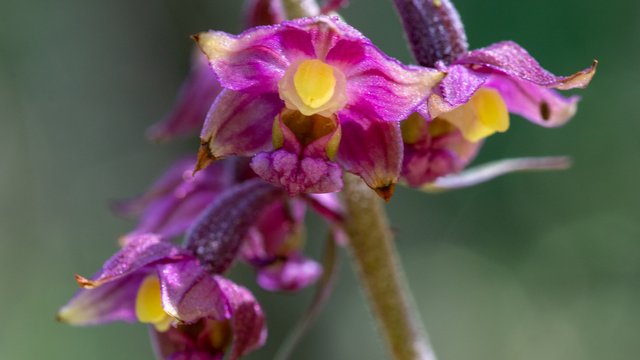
column 536, row 266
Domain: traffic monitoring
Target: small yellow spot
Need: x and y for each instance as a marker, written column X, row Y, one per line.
column 315, row 83
column 485, row 114
column 149, row 304
column 437, row 3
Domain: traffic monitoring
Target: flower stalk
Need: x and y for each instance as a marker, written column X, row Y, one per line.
column 376, row 259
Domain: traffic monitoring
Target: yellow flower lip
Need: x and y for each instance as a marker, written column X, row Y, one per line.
column 149, row 304
column 314, row 82
column 485, row 114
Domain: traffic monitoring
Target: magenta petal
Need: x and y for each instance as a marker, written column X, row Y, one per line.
column 240, row 123
column 296, row 175
column 371, row 149
column 190, row 293
column 247, row 319
column 252, row 61
column 294, row 273
column 378, row 86
column 196, row 94
column 545, row 107
column 113, row 301
column 511, row 59
column 460, row 84
column 140, row 251
column 256, row 60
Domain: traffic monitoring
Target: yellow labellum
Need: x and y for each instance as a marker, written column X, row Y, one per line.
column 149, row 304
column 485, row 114
column 315, row 83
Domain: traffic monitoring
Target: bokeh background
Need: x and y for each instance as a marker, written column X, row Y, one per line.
column 533, row 266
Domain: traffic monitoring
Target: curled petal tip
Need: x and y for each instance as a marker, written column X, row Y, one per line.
column 385, row 192
column 581, row 79
column 205, row 157
column 84, row 282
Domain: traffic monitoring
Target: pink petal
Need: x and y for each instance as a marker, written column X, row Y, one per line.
column 240, row 123
column 140, row 251
column 113, row 301
column 371, row 149
column 511, row 59
column 542, row 106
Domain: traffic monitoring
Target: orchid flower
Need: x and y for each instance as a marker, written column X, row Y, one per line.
column 474, row 99
column 151, row 281
column 303, row 97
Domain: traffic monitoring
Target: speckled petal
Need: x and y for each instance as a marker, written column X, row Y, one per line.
column 373, row 150
column 460, row 84
column 511, row 59
column 190, row 293
column 140, row 251
column 240, row 123
column 298, row 175
column 113, row 301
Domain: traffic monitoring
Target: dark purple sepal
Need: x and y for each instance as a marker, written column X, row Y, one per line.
column 217, row 234
column 434, row 30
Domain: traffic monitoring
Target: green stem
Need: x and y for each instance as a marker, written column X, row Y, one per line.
column 373, row 250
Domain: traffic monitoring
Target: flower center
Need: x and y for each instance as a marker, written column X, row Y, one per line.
column 312, row 87
column 314, row 82
column 306, row 129
column 149, row 304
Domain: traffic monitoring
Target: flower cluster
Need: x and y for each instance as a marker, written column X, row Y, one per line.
column 285, row 108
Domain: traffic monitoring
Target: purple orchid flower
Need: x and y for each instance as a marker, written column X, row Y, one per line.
column 151, row 281
column 329, row 90
column 474, row 99
column 180, row 289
